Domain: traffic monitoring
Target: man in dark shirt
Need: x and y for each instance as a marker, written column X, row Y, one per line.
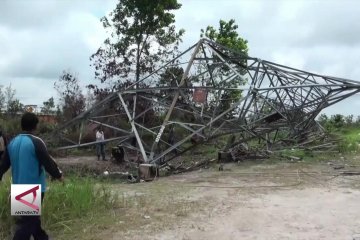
column 28, row 157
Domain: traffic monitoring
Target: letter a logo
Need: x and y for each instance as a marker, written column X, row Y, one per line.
column 32, row 205
column 25, row 199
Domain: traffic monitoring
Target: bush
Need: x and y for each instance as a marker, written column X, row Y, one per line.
column 44, row 127
column 5, row 220
column 78, row 199
column 11, row 126
column 350, row 140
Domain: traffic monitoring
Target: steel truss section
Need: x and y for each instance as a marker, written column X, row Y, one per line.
column 246, row 97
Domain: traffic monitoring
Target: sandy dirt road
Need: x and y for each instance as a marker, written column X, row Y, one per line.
column 279, row 203
column 312, row 213
column 258, row 201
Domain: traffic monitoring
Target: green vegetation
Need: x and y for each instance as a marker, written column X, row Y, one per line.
column 84, row 208
column 142, row 35
column 67, row 207
column 5, row 220
column 344, row 128
column 228, row 36
column 349, row 139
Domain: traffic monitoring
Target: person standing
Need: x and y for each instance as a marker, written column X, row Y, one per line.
column 2, row 144
column 100, row 144
column 29, row 159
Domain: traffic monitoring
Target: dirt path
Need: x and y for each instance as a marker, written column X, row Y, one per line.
column 319, row 207
column 265, row 202
column 311, row 213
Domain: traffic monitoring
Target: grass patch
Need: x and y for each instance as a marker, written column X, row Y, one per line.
column 208, row 150
column 77, row 198
column 85, row 208
column 348, row 143
column 298, row 153
column 349, row 139
column 67, row 209
column 5, row 220
column 303, row 155
column 153, row 206
column 75, row 152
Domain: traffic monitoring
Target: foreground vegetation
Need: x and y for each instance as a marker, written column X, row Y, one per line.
column 84, row 208
column 67, row 208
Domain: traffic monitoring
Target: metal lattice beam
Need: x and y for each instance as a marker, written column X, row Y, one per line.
column 274, row 98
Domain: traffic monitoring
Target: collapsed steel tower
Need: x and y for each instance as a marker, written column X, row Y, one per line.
column 195, row 98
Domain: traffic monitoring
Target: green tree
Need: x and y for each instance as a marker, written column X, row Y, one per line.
column 142, row 34
column 349, row 119
column 72, row 100
column 337, row 120
column 14, row 107
column 90, row 99
column 228, row 36
column 171, row 77
column 2, row 99
column 323, row 119
column 9, row 97
column 48, row 106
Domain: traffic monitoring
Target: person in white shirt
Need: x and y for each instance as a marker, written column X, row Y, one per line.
column 100, row 145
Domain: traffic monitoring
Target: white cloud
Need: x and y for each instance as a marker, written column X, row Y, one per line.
column 40, row 38
column 289, row 58
column 35, row 53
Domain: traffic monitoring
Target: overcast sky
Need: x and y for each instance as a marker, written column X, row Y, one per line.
column 41, row 38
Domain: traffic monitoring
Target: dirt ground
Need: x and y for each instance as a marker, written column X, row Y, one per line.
column 259, row 201
column 309, row 213
column 89, row 164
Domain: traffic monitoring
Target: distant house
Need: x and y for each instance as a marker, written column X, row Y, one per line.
column 31, row 108
column 48, row 118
